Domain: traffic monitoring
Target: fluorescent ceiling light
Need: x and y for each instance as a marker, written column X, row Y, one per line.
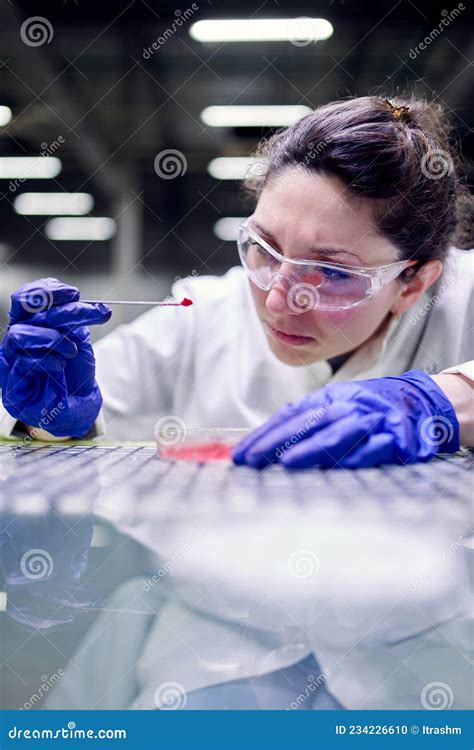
column 226, row 228
column 81, row 228
column 5, row 116
column 297, row 30
column 71, row 204
column 235, row 167
column 257, row 115
column 29, row 167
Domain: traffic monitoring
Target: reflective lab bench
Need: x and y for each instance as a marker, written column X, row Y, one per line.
column 229, row 572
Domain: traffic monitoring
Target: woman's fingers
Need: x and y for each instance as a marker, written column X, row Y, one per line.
column 32, row 345
column 283, row 436
column 310, row 405
column 330, row 446
column 238, row 454
column 28, row 393
column 4, row 369
column 72, row 315
column 42, row 341
column 49, row 302
column 378, row 449
column 40, row 295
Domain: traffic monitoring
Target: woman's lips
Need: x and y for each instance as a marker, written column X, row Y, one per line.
column 288, row 338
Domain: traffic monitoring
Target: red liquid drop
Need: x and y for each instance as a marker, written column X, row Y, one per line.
column 186, row 302
column 203, row 452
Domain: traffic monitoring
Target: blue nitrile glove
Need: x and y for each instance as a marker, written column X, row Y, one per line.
column 47, row 366
column 361, row 423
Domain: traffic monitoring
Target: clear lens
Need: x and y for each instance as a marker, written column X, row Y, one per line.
column 333, row 288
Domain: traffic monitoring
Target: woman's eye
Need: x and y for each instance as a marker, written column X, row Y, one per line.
column 333, row 274
column 254, row 247
column 263, row 254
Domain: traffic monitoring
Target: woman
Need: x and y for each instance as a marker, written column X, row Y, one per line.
column 352, row 185
column 358, row 184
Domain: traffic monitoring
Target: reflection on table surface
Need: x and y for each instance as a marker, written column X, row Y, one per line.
column 149, row 571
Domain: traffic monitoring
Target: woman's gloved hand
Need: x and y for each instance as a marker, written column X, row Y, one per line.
column 47, row 366
column 354, row 424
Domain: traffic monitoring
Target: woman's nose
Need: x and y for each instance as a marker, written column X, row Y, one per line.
column 279, row 298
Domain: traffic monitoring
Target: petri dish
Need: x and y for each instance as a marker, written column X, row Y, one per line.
column 198, row 445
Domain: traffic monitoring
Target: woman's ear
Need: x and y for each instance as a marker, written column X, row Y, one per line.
column 411, row 292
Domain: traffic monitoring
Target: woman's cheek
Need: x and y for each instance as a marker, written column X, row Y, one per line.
column 259, row 297
column 332, row 319
column 349, row 327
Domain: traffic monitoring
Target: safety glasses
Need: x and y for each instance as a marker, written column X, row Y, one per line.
column 311, row 284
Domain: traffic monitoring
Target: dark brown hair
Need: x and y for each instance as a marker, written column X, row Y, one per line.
column 398, row 154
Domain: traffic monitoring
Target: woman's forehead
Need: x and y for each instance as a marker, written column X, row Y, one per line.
column 313, row 211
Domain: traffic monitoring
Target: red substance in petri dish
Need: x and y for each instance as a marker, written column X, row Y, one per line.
column 203, row 452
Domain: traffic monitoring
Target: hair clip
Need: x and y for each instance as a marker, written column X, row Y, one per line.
column 397, row 112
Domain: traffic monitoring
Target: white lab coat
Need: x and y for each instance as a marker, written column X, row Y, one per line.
column 210, row 365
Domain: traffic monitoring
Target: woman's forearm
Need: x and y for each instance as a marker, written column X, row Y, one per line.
column 460, row 391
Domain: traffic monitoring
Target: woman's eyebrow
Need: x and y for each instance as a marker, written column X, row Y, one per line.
column 263, row 231
column 331, row 251
column 326, row 251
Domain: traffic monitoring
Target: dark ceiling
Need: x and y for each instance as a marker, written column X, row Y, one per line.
column 115, row 109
